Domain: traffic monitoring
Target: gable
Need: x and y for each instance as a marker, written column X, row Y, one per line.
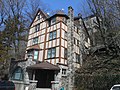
column 39, row 17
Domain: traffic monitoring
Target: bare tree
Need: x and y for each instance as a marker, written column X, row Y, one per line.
column 101, row 64
column 2, row 13
column 32, row 7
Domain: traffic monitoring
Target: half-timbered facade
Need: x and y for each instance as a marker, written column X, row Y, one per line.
column 48, row 41
column 54, row 51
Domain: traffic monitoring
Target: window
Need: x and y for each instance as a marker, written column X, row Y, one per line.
column 64, row 72
column 64, row 20
column 77, row 30
column 18, row 74
column 49, row 23
column 35, row 55
column 65, row 53
column 77, row 58
column 74, row 41
column 87, row 23
column 51, row 52
column 77, row 42
column 65, row 35
column 116, row 88
column 52, row 35
column 35, row 40
column 37, row 27
column 38, row 17
column 53, row 20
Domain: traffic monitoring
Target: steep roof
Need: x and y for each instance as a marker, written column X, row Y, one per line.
column 43, row 13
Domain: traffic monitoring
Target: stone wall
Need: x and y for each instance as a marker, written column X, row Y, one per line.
column 70, row 39
column 26, row 83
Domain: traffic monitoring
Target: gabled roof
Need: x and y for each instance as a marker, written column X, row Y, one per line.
column 39, row 10
column 44, row 65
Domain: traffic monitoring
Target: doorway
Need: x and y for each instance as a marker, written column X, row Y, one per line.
column 44, row 78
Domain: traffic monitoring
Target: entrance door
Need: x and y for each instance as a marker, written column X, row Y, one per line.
column 44, row 78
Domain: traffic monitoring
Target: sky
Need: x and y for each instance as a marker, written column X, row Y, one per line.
column 79, row 6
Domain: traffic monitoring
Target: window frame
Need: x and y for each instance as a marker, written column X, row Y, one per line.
column 37, row 27
column 35, row 40
column 77, row 58
column 35, row 55
column 74, row 40
column 53, row 20
column 64, row 72
column 77, row 30
column 65, row 53
column 51, row 53
column 78, row 43
column 38, row 17
column 16, row 72
column 52, row 35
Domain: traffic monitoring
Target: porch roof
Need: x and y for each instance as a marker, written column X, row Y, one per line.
column 34, row 47
column 44, row 65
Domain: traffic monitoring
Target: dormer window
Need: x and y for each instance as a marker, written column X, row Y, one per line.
column 64, row 20
column 53, row 20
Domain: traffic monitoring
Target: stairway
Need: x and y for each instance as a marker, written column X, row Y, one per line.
column 43, row 89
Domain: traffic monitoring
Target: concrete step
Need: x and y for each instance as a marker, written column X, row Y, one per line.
column 43, row 89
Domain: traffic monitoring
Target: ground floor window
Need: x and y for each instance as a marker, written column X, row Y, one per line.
column 17, row 74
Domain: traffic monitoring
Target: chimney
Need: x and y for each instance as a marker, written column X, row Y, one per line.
column 80, row 19
column 80, row 15
column 71, row 13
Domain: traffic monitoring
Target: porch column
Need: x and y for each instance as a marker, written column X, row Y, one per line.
column 34, row 75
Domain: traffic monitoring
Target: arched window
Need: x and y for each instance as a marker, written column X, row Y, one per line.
column 18, row 74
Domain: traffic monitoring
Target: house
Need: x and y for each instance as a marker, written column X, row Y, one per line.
column 54, row 52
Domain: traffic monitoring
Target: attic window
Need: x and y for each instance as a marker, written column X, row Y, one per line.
column 37, row 27
column 53, row 20
column 38, row 16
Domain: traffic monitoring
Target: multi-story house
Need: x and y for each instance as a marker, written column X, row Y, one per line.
column 49, row 38
column 54, row 48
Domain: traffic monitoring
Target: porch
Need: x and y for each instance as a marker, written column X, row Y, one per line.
column 43, row 73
